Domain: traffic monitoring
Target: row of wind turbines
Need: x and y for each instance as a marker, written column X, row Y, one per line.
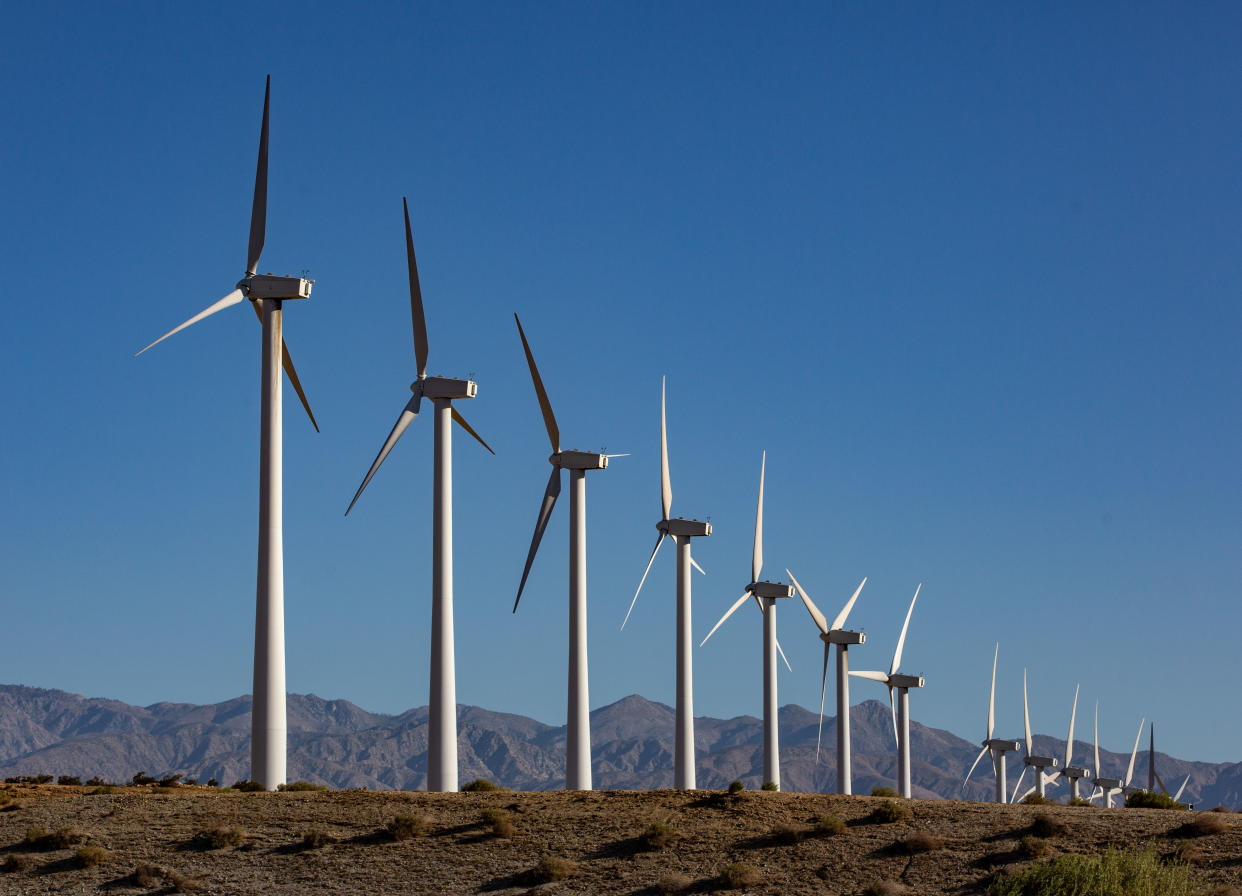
column 1103, row 788
column 267, row 294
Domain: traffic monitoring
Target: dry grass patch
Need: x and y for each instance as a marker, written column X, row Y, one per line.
column 90, row 856
column 659, row 835
column 148, row 875
column 829, row 826
column 671, row 884
column 61, row 838
column 738, row 875
column 1047, row 826
column 788, row 833
column 919, row 842
column 1032, row 847
column 888, row 812
column 1190, row 853
column 549, row 869
column 406, row 827
column 219, row 837
column 179, row 883
column 16, row 863
column 501, row 822
column 317, row 840
column 1204, row 824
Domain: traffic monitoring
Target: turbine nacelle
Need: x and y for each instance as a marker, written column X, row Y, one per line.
column 901, row 680
column 1002, row 745
column 770, row 589
column 684, row 528
column 270, row 286
column 434, row 387
column 840, row 636
column 1074, row 771
column 578, row 460
column 1108, row 783
column 1040, row 761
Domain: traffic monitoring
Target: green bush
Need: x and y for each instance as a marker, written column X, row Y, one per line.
column 302, row 786
column 171, row 780
column 658, row 836
column 481, row 785
column 1115, row 873
column 884, row 791
column 142, row 779
column 829, row 826
column 888, row 812
column 769, row 785
column 736, row 787
column 406, row 827
column 212, row 782
column 1145, row 799
column 90, row 856
column 738, row 875
column 97, row 782
column 69, row 781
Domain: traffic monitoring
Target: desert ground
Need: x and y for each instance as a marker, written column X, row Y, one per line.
column 190, row 839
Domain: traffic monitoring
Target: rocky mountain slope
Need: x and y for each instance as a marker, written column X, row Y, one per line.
column 337, row 743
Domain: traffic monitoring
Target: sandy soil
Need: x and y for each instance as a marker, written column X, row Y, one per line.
column 598, row 832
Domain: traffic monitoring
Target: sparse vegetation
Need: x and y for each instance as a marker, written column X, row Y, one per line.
column 219, row 837
column 1145, row 799
column 104, row 790
column 90, row 856
column 658, row 835
column 888, row 812
column 829, row 826
column 69, row 781
column 248, row 786
column 550, row 868
column 142, row 779
column 1047, row 826
column 148, row 875
column 736, row 787
column 182, row 884
column 317, row 840
column 769, row 785
column 61, row 838
column 1079, row 801
column 212, row 782
column 406, row 827
column 481, row 785
column 171, row 780
column 1034, row 799
column 97, row 782
column 16, row 863
column 1032, row 847
column 29, row 779
column 672, row 884
column 1190, row 853
column 919, row 842
column 1115, row 873
column 788, row 833
column 737, row 875
column 884, row 791
column 1204, row 824
column 302, row 787
column 501, row 822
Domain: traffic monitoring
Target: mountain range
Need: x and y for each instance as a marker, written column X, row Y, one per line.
column 337, row 743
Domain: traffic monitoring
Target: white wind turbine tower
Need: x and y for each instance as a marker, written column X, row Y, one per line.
column 681, row 531
column 998, row 747
column 767, row 594
column 901, row 710
column 267, row 294
column 578, row 740
column 1071, row 772
column 442, row 391
column 1039, row 763
column 836, row 634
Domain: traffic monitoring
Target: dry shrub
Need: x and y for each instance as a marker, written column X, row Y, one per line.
column 736, row 787
column 481, row 785
column 919, row 842
column 788, row 833
column 182, row 884
column 501, row 822
column 1190, row 853
column 90, row 856
column 1032, row 847
column 148, row 875
column 219, row 837
column 1034, row 799
column 671, row 884
column 886, row 888
column 1047, row 826
column 829, row 826
column 15, row 863
column 317, row 840
column 1225, row 809
column 884, row 791
column 738, row 875
column 302, row 787
column 406, row 827
column 1079, row 802
column 550, row 868
column 658, row 835
column 62, row 838
column 888, row 812
column 1205, row 824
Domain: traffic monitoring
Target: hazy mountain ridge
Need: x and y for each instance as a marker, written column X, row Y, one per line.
column 338, row 743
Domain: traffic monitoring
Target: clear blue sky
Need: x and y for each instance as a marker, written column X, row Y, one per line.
column 970, row 275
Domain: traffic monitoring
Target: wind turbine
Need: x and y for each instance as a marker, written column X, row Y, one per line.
column 1125, row 787
column 681, row 531
column 1039, row 763
column 766, row 595
column 1106, row 786
column 835, row 634
column 578, row 741
column 1070, row 772
column 442, row 391
column 998, row 747
column 901, row 711
column 1153, row 778
column 267, row 293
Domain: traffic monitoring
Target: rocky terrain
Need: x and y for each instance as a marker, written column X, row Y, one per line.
column 336, row 743
column 211, row 842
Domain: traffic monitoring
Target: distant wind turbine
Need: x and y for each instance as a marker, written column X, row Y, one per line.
column 1030, row 760
column 442, row 391
column 1105, row 786
column 998, row 747
column 267, row 294
column 1069, row 771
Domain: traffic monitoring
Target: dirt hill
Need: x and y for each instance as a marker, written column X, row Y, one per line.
column 242, row 843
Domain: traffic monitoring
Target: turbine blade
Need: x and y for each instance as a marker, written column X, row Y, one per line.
column 416, row 297
column 1163, row 789
column 893, row 709
column 881, row 677
column 694, row 563
column 655, row 550
column 782, row 653
column 549, row 419
column 992, row 696
column 741, row 600
column 1177, row 797
column 461, row 421
column 901, row 642
column 258, row 210
column 823, row 690
column 1014, row 797
column 231, row 299
column 550, row 495
column 839, row 622
column 1134, row 752
column 1028, row 792
column 291, row 372
column 820, row 621
column 982, row 753
column 408, row 413
column 756, row 558
column 1069, row 741
column 666, row 485
column 1026, row 718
